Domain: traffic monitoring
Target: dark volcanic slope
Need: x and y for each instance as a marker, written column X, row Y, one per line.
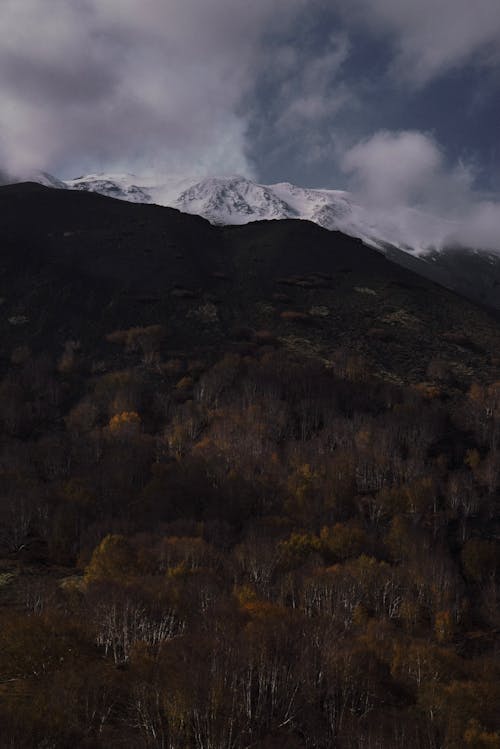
column 78, row 265
column 471, row 273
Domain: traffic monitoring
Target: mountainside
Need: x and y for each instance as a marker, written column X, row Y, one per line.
column 249, row 484
column 40, row 177
column 82, row 257
column 407, row 235
column 238, row 200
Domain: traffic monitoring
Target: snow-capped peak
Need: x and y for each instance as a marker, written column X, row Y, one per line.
column 233, row 200
column 237, row 200
column 122, row 186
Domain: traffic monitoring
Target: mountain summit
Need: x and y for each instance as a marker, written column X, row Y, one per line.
column 238, row 200
column 83, row 257
column 409, row 236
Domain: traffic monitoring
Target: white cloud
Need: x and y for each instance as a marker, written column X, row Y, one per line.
column 431, row 37
column 310, row 90
column 299, row 95
column 480, row 227
column 404, row 177
column 392, row 168
column 115, row 81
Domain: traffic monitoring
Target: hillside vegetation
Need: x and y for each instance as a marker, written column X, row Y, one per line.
column 249, row 483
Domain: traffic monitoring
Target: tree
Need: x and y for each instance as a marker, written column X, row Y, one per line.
column 481, row 559
column 147, row 340
column 342, row 541
column 113, row 559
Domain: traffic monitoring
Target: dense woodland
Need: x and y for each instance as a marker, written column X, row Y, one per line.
column 253, row 549
column 249, row 484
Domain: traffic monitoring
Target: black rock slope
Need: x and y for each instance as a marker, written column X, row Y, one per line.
column 76, row 266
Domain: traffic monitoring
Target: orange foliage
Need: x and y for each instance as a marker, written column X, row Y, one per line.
column 125, row 424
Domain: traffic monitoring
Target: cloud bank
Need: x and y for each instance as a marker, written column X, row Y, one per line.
column 268, row 88
column 126, row 81
column 405, row 176
column 430, row 38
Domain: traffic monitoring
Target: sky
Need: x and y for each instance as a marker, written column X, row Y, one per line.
column 396, row 100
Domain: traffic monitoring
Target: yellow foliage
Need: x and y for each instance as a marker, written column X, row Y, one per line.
column 360, row 615
column 472, row 459
column 363, row 438
column 110, row 383
column 410, row 613
column 398, row 537
column 180, row 570
column 480, row 558
column 186, row 383
column 113, row 559
column 257, row 609
column 263, row 610
column 291, row 315
column 298, row 548
column 476, row 393
column 477, row 737
column 75, row 493
column 139, row 337
column 303, row 487
column 464, row 707
column 428, row 390
column 126, row 422
column 342, row 541
column 444, row 626
column 419, row 495
column 245, row 594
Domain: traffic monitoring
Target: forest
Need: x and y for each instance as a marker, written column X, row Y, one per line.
column 249, row 548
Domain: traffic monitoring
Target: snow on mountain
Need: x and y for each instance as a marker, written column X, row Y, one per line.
column 43, row 178
column 234, row 200
column 237, row 200
column 119, row 186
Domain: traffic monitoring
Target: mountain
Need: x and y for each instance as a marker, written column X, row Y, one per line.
column 238, row 200
column 84, row 265
column 40, row 177
column 249, row 483
column 409, row 236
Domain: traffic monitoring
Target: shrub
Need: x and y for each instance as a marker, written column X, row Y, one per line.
column 291, row 315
